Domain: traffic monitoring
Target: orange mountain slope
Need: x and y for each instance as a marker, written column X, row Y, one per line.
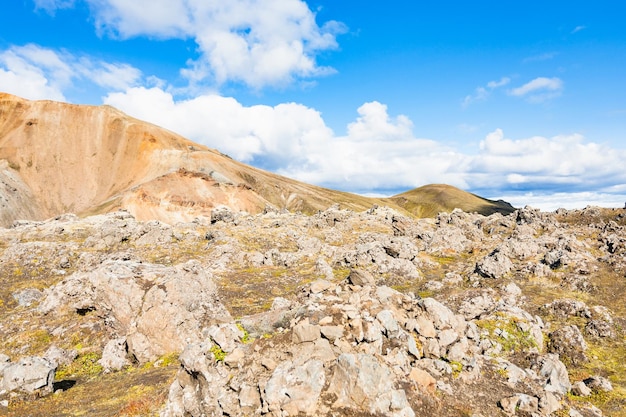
column 57, row 158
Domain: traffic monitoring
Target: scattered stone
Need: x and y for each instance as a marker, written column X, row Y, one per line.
column 295, row 389
column 58, row 356
column 423, row 379
column 581, row 389
column 569, row 344
column 115, row 355
column 320, row 285
column 361, row 277
column 305, row 332
column 599, row 384
column 361, row 381
column 27, row 297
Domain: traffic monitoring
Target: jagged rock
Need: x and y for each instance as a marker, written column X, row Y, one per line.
column 569, row 344
column 521, row 402
column 280, row 303
column 294, row 389
column 549, row 403
column 442, row 317
column 554, row 374
column 142, row 301
column 222, row 214
column 423, row 379
column 581, row 389
column 567, row 307
column 114, row 355
column 475, row 307
column 361, row 382
column 235, row 358
column 402, row 348
column 320, row 285
column 496, row 265
column 305, row 332
column 5, row 361
column 599, row 329
column 58, row 356
column 227, row 336
column 598, row 384
column 30, row 374
column 361, row 277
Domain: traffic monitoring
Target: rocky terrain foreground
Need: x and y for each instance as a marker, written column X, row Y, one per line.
column 339, row 313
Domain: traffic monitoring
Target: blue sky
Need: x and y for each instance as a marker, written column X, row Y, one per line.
column 520, row 101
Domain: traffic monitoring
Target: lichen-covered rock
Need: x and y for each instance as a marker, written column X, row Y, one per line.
column 569, row 344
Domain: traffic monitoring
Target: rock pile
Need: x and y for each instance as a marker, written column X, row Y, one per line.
column 339, row 313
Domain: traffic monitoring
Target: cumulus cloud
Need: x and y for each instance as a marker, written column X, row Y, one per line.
column 559, row 163
column 377, row 152
column 256, row 42
column 554, row 201
column 34, row 72
column 482, row 93
column 540, row 89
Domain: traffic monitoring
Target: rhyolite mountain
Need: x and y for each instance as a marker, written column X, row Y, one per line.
column 57, row 158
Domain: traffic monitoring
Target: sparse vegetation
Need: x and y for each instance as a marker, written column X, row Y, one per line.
column 85, row 366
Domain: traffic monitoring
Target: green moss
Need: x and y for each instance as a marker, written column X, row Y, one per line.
column 457, row 368
column 246, row 336
column 86, row 365
column 218, row 353
column 510, row 335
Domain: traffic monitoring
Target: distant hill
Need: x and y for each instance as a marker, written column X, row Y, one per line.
column 429, row 200
column 57, row 158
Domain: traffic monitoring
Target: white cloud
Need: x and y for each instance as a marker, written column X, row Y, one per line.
column 277, row 133
column 51, row 6
column 34, row 72
column 256, row 42
column 482, row 93
column 579, row 28
column 502, row 82
column 540, row 89
column 377, row 152
column 554, row 201
column 565, row 161
column 541, row 57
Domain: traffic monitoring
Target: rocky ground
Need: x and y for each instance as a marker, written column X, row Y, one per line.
column 339, row 313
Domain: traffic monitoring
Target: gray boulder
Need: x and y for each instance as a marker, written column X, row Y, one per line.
column 360, row 381
column 114, row 355
column 30, row 374
column 295, row 389
column 496, row 265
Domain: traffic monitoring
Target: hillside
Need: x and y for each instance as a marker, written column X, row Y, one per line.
column 57, row 158
column 430, row 200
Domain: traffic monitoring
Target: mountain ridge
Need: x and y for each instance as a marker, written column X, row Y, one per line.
column 94, row 159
